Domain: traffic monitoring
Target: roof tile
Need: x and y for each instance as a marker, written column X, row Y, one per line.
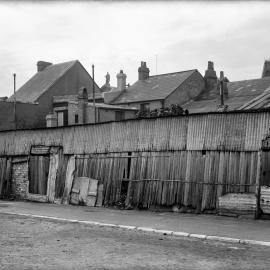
column 156, row 87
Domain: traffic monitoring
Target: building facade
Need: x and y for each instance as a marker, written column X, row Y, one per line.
column 53, row 80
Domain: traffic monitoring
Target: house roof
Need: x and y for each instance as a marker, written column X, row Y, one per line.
column 115, row 107
column 156, row 87
column 41, row 82
column 107, row 106
column 240, row 95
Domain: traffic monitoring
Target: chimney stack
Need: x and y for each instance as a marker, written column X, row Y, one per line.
column 41, row 65
column 223, row 81
column 82, row 105
column 210, row 76
column 121, row 80
column 143, row 71
column 266, row 69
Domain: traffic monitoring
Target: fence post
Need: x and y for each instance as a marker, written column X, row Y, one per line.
column 258, row 186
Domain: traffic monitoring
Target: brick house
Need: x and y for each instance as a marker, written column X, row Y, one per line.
column 252, row 94
column 53, row 80
column 191, row 90
column 152, row 92
column 80, row 109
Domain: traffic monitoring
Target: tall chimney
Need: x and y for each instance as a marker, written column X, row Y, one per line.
column 82, row 104
column 143, row 71
column 41, row 65
column 121, row 80
column 210, row 76
column 223, row 80
column 266, row 69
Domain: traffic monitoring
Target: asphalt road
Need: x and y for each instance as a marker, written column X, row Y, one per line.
column 27, row 243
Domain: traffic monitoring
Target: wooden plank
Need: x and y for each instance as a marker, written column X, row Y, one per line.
column 75, row 191
column 54, row 162
column 92, row 192
column 68, row 179
column 84, row 184
column 99, row 200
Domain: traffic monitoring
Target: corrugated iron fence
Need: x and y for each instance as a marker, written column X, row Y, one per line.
column 187, row 160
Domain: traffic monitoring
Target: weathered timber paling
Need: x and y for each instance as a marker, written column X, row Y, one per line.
column 157, row 180
column 188, row 160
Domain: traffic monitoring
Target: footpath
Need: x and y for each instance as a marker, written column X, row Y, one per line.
column 210, row 227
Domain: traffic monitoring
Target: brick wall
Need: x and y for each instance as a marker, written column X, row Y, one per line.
column 190, row 89
column 20, row 181
column 27, row 115
column 69, row 84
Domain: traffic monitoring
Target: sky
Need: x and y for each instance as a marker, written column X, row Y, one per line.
column 113, row 35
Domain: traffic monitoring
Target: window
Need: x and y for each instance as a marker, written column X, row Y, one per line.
column 62, row 118
column 119, row 115
column 145, row 107
column 76, row 118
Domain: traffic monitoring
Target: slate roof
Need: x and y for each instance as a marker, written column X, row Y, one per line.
column 156, row 87
column 108, row 106
column 42, row 81
column 240, row 93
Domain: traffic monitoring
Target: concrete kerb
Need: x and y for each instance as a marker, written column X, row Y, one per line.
column 147, row 229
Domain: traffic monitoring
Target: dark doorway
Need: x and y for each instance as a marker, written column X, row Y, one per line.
column 265, row 177
column 38, row 174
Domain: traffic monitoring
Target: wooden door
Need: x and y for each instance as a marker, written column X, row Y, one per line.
column 38, row 174
column 265, row 175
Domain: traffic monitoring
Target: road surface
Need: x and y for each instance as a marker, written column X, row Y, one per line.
column 31, row 243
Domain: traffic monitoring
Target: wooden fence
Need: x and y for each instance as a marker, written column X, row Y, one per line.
column 185, row 160
column 189, row 178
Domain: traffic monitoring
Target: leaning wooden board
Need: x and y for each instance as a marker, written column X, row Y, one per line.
column 84, row 191
column 265, row 199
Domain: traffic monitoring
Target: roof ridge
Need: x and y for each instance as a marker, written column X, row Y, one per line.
column 71, row 64
column 170, row 73
column 247, row 80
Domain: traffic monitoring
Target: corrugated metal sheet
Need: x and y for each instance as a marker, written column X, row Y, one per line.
column 256, row 129
column 230, row 132
column 196, row 132
column 178, row 133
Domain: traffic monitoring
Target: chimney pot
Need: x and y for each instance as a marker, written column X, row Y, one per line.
column 221, row 75
column 121, row 80
column 210, row 65
column 143, row 71
column 41, row 65
column 266, row 69
column 210, row 76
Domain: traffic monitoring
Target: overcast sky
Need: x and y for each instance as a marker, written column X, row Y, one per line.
column 118, row 35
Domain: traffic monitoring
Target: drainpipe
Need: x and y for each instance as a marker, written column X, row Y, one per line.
column 94, row 102
column 221, row 88
column 14, row 102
